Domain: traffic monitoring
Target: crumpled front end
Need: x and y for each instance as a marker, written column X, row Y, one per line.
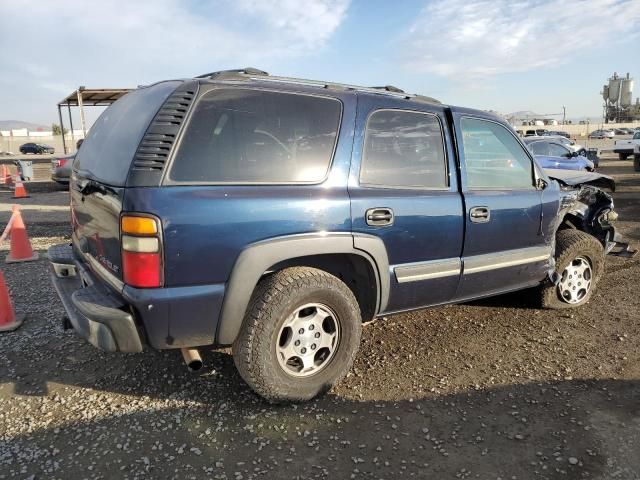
column 590, row 209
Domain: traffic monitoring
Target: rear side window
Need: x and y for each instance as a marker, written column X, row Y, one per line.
column 403, row 149
column 111, row 144
column 493, row 158
column 245, row 136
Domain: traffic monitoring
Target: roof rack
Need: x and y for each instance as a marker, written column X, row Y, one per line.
column 390, row 88
column 250, row 73
column 234, row 73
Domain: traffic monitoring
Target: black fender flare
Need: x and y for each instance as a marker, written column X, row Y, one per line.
column 256, row 259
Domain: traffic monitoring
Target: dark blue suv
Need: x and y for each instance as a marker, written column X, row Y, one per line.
column 276, row 215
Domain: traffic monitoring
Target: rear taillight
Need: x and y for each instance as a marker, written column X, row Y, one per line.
column 141, row 251
column 61, row 162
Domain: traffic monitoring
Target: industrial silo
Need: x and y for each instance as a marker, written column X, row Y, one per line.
column 605, row 92
column 614, row 88
column 626, row 91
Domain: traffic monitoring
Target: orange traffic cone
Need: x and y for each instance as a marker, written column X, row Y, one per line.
column 20, row 191
column 8, row 319
column 6, row 176
column 20, row 245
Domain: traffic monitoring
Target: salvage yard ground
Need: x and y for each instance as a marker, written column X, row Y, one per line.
column 490, row 389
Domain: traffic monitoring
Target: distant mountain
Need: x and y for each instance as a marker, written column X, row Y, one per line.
column 524, row 114
column 16, row 124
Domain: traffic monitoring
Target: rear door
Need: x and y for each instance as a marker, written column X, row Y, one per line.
column 100, row 173
column 507, row 244
column 404, row 190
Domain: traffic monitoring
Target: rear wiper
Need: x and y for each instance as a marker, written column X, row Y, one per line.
column 92, row 186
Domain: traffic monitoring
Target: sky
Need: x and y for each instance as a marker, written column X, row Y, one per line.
column 503, row 55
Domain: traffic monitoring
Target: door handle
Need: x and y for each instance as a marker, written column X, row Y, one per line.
column 377, row 217
column 480, row 214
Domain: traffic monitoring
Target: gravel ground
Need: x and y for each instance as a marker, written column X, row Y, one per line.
column 493, row 389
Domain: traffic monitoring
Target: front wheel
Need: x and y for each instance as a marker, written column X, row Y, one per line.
column 579, row 265
column 300, row 335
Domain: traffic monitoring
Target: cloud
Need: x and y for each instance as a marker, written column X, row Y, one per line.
column 479, row 39
column 311, row 23
column 111, row 43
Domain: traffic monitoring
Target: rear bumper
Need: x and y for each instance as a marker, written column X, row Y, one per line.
column 628, row 151
column 124, row 320
column 63, row 180
column 96, row 314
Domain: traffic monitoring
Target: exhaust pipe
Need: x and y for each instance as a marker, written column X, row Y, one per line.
column 192, row 358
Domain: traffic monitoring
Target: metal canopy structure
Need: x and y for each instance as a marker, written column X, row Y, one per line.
column 94, row 97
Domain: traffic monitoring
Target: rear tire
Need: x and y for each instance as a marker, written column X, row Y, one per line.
column 576, row 251
column 636, row 163
column 622, row 156
column 286, row 298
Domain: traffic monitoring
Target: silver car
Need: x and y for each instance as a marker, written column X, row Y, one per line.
column 61, row 168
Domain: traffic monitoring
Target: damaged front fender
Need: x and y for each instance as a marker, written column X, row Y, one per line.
column 585, row 206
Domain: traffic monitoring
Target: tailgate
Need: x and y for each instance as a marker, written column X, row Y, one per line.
column 95, row 215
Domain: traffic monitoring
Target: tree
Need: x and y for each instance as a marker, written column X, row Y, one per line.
column 55, row 128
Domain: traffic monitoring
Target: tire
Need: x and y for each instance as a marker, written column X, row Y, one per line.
column 278, row 299
column 573, row 247
column 622, row 156
column 636, row 163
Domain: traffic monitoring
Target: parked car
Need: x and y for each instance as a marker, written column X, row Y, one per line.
column 558, row 133
column 61, row 168
column 38, row 148
column 601, row 134
column 624, row 148
column 540, row 132
column 571, row 145
column 553, row 154
column 275, row 215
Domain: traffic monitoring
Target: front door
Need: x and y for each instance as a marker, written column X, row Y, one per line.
column 404, row 190
column 507, row 244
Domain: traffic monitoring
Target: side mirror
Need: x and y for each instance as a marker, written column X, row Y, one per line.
column 575, row 154
column 568, row 155
column 541, row 184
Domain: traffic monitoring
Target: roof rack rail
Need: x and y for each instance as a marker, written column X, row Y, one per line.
column 390, row 88
column 235, row 72
column 262, row 76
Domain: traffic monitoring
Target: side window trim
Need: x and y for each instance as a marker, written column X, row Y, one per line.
column 535, row 174
column 445, row 153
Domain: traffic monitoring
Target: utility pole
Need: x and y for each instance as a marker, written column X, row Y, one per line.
column 564, row 115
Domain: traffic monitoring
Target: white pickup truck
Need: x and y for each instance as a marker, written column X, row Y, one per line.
column 624, row 148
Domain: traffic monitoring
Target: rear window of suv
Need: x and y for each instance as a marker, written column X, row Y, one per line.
column 111, row 144
column 243, row 136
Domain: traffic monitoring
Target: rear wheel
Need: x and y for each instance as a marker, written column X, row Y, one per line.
column 636, row 163
column 300, row 335
column 622, row 156
column 579, row 265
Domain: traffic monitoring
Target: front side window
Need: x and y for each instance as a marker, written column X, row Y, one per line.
column 493, row 158
column 246, row 136
column 403, row 149
column 556, row 150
